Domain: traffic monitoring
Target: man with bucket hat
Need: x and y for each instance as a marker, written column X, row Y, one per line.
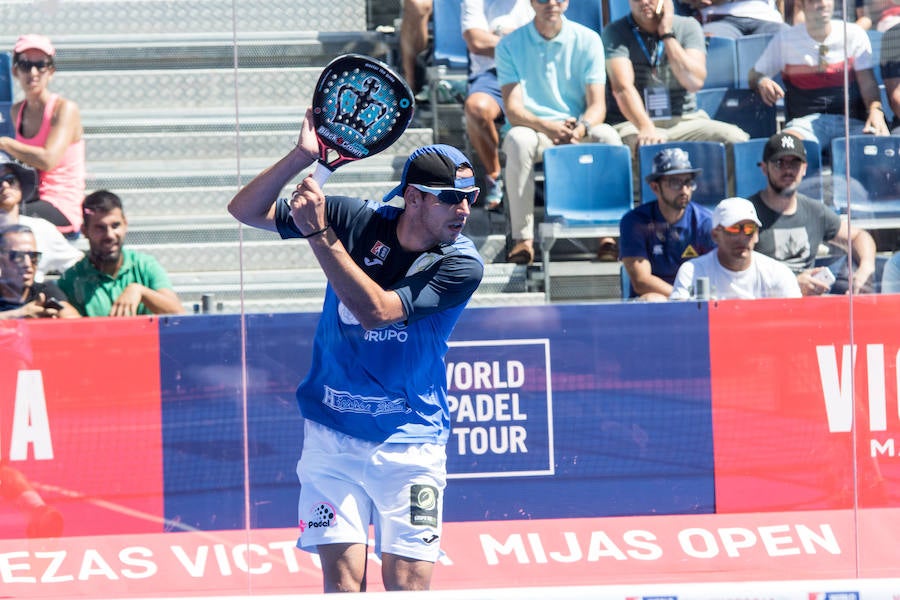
column 17, row 183
column 375, row 404
column 655, row 238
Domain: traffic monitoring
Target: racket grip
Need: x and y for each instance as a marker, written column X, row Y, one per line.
column 322, row 173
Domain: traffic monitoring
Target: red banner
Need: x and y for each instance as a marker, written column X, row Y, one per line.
column 80, row 427
column 558, row 552
column 802, row 403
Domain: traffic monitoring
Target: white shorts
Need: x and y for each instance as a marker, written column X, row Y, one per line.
column 347, row 483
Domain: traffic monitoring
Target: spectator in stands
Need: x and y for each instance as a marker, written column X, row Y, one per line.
column 890, row 73
column 112, row 280
column 375, row 435
column 879, row 15
column 553, row 80
column 18, row 181
column 657, row 237
column 736, row 18
column 49, row 137
column 890, row 276
column 810, row 59
column 655, row 62
column 484, row 22
column 734, row 270
column 36, row 300
column 414, row 39
column 794, row 226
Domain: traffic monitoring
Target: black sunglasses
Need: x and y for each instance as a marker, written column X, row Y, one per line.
column 19, row 256
column 9, row 178
column 27, row 65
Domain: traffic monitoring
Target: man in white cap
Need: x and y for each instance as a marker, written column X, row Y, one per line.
column 734, row 270
column 377, row 418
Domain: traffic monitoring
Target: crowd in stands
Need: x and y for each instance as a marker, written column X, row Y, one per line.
column 536, row 79
column 42, row 202
column 654, row 62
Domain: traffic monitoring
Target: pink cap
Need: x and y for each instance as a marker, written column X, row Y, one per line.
column 32, row 41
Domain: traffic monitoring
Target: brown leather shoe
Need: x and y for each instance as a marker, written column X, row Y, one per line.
column 522, row 253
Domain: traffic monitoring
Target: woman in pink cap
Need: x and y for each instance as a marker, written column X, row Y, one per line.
column 49, row 137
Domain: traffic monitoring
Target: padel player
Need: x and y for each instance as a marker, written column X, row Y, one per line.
column 375, row 398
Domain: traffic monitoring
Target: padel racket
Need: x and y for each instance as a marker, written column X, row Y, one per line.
column 360, row 107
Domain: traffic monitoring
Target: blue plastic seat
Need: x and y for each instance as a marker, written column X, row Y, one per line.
column 6, row 77
column 749, row 178
column 616, row 10
column 712, row 183
column 587, row 189
column 587, row 12
column 748, row 49
column 874, row 179
column 449, row 46
column 603, row 190
column 721, row 63
column 875, row 39
column 6, row 125
column 740, row 107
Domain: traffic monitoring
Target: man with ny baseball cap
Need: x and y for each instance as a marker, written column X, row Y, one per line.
column 734, row 270
column 655, row 238
column 793, row 226
column 375, row 405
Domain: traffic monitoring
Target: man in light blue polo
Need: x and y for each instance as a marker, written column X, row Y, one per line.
column 553, row 79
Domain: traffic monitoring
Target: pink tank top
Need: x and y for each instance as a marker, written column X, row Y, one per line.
column 64, row 186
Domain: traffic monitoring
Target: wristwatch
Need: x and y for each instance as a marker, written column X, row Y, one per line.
column 587, row 126
column 668, row 35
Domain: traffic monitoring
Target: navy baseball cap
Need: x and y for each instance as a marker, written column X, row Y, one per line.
column 434, row 166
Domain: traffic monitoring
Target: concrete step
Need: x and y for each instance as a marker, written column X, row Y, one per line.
column 270, row 144
column 276, row 254
column 179, row 50
column 142, row 17
column 188, row 88
column 309, row 284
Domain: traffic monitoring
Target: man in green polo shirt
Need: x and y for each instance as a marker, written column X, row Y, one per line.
column 111, row 280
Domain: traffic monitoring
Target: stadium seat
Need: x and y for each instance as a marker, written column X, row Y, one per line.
column 749, row 178
column 6, row 125
column 616, row 10
column 873, row 177
column 740, row 107
column 875, row 39
column 6, row 77
column 587, row 12
column 450, row 56
column 712, row 183
column 593, row 207
column 721, row 63
column 748, row 49
column 449, row 46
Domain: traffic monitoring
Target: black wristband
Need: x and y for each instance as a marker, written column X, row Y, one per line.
column 666, row 36
column 317, row 232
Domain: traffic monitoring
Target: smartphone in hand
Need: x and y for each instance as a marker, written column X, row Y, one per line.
column 53, row 303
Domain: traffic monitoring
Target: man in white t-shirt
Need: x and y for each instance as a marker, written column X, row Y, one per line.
column 734, row 270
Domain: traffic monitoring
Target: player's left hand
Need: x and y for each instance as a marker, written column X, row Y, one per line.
column 308, row 206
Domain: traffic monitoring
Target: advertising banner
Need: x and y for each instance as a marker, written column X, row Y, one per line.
column 80, row 427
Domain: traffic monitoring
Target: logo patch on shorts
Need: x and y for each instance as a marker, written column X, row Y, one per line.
column 321, row 515
column 423, row 505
